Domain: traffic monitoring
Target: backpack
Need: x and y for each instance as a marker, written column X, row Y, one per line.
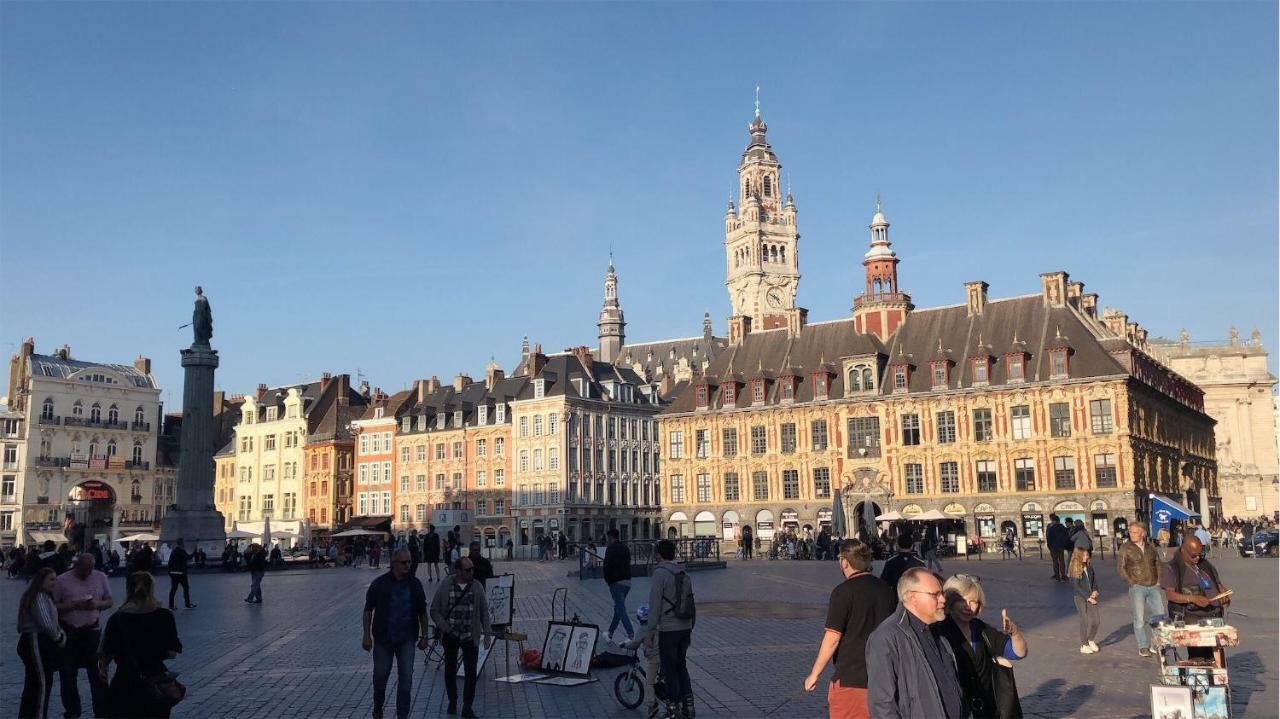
column 683, row 606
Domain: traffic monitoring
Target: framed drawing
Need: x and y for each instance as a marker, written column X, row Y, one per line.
column 582, row 647
column 482, row 654
column 555, row 648
column 501, row 592
column 1170, row 702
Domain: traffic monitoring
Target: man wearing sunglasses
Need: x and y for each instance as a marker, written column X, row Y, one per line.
column 914, row 672
column 395, row 615
column 460, row 613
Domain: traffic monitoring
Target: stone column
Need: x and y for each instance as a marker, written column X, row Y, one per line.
column 194, row 517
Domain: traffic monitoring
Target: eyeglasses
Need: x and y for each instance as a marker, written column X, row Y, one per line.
column 936, row 595
column 970, row 577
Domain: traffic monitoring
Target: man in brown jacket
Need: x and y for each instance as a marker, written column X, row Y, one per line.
column 1139, row 567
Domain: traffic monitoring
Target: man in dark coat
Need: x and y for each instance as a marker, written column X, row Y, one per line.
column 431, row 553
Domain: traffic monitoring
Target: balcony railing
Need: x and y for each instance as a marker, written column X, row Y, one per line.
column 97, row 465
column 108, row 424
column 11, row 465
column 53, row 419
column 53, row 461
column 141, row 426
column 79, row 422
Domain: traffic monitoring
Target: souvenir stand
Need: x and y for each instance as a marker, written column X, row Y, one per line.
column 1204, row 679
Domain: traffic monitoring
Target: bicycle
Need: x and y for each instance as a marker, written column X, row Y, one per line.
column 628, row 688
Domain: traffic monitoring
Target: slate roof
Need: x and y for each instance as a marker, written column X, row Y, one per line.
column 563, row 370
column 51, row 366
column 665, row 354
column 1036, row 327
column 446, row 400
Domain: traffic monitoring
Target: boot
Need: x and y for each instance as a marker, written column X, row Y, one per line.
column 686, row 708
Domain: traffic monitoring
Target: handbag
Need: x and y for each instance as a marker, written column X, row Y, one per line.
column 1004, row 686
column 163, row 690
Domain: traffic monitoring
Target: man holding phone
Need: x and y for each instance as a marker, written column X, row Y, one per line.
column 81, row 594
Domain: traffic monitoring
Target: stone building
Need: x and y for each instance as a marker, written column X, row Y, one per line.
column 994, row 412
column 1238, row 394
column 329, row 456
column 82, row 440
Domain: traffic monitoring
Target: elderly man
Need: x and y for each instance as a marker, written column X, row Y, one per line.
column 461, row 614
column 1191, row 584
column 914, row 674
column 81, row 594
column 1138, row 564
column 395, row 614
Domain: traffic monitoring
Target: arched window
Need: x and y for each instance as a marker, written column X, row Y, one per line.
column 77, row 409
column 768, row 186
column 782, row 252
column 139, row 416
column 746, row 188
column 855, row 384
column 46, row 409
column 113, row 414
column 95, row 413
column 111, row 448
column 93, row 447
column 867, row 382
column 137, row 451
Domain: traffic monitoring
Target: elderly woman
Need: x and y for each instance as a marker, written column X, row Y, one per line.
column 984, row 654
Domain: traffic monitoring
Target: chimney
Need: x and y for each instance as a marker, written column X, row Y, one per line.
column 344, row 382
column 325, row 379
column 796, row 319
column 583, row 353
column 1089, row 304
column 1053, row 288
column 262, row 392
column 537, row 361
column 379, row 395
column 492, row 374
column 65, row 352
column 420, row 390
column 1075, row 291
column 1131, row 332
column 460, row 382
column 142, row 364
column 29, row 347
column 364, row 388
column 1116, row 321
column 976, row 296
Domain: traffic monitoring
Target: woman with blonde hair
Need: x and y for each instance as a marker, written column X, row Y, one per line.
column 984, row 654
column 138, row 638
column 40, row 640
column 1085, row 584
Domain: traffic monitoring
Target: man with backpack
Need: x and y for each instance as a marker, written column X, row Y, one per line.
column 673, row 613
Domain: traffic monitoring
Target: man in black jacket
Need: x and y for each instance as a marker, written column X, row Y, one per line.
column 395, row 614
column 897, row 565
column 483, row 567
column 617, row 574
column 1058, row 540
column 178, row 561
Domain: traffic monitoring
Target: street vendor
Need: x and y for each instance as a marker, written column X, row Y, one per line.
column 1193, row 588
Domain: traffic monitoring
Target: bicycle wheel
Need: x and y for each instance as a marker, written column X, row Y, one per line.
column 628, row 689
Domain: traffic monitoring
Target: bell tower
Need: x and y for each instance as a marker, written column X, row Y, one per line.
column 883, row 307
column 612, row 325
column 760, row 239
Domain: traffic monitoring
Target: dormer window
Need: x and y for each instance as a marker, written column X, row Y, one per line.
column 901, row 378
column 820, row 384
column 500, row 413
column 730, row 394
column 377, row 413
column 539, row 388
column 757, row 391
column 1059, row 364
column 939, row 374
column 700, row 395
column 422, row 423
column 405, row 423
column 439, row 420
column 1016, row 371
column 457, row 418
column 788, row 388
column 981, row 370
column 482, row 415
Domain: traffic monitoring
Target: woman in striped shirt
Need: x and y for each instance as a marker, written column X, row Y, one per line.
column 40, row 640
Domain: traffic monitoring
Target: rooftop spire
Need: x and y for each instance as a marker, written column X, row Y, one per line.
column 757, row 101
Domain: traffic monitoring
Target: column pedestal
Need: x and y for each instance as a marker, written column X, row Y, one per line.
column 193, row 516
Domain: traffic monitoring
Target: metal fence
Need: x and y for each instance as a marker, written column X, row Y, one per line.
column 692, row 552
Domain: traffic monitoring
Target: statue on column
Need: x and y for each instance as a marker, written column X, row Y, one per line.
column 202, row 319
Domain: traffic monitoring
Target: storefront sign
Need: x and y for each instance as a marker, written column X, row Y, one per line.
column 912, row 510
column 1032, row 524
column 955, row 509
column 91, row 492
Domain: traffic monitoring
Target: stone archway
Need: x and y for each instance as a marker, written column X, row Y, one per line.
column 865, row 494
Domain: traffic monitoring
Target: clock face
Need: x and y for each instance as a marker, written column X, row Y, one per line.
column 774, row 297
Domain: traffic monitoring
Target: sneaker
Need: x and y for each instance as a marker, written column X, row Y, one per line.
column 1086, row 649
column 1094, row 646
column 1142, row 652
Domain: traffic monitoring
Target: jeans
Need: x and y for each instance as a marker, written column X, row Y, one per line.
column 255, row 589
column 931, row 560
column 82, row 652
column 1152, row 600
column 1089, row 620
column 672, row 648
column 179, row 580
column 40, row 660
column 403, row 653
column 470, row 653
column 619, row 591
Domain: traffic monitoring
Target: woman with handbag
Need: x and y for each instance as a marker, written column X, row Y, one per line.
column 40, row 641
column 984, row 654
column 138, row 638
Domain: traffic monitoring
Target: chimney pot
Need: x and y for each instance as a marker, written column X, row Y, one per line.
column 976, row 297
column 143, row 365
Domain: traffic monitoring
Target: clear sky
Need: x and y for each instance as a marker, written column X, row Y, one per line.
column 407, row 189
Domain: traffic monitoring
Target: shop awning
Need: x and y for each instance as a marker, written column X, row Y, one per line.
column 375, row 523
column 39, row 537
column 1165, row 510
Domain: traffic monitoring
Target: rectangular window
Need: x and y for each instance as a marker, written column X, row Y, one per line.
column 553, row 493
column 949, row 478
column 420, row 483
column 268, row 504
column 457, row 450
column 524, row 460
column 482, row 478
column 537, row 460
column 482, row 447
column 553, row 459
column 499, row 477
column 482, row 508
column 982, row 425
column 1064, row 472
column 757, row 391
column 788, row 438
column 440, row 450
column 821, row 483
column 524, row 426
column 1104, row 471
column 730, row 394
column 980, row 371
column 677, row 488
column 1020, row 421
column 818, row 434
column 404, row 483
column 537, row 425
column 910, row 430
column 946, row 426
column 499, row 507
column 790, row 484
column 537, row 493
column 457, row 480
column 913, row 475
column 552, row 423
column 499, row 446
column 439, row 481
column 864, row 437
column 986, row 474
column 1015, row 369
column 704, row 488
column 1058, row 363
column 939, row 374
column 404, row 454
column 787, row 391
column 404, row 513
column 676, row 443
column 1100, row 416
column 759, row 440
column 270, row 442
column 729, row 441
column 899, row 379
column 759, row 486
column 701, row 395
column 1060, row 419
column 701, row 443
column 421, row 454
column 1024, row 474
column 731, row 488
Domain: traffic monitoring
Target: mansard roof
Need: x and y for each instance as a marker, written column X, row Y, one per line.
column 59, row 368
column 562, row 371
column 446, row 400
column 646, row 357
column 915, row 343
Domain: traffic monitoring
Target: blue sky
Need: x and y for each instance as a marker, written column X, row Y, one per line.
column 407, row 189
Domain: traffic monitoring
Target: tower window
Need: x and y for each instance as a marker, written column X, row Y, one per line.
column 768, row 186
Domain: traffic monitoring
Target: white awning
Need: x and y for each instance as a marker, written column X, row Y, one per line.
column 42, row 536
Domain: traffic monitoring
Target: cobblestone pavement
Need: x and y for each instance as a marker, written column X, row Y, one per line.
column 759, row 625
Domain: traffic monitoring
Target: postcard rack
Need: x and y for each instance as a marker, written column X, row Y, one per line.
column 1205, row 677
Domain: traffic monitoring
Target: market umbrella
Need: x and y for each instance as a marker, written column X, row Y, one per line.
column 869, row 521
column 240, row 534
column 889, row 517
column 838, row 521
column 355, row 533
column 266, row 530
column 931, row 516
column 140, row 537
